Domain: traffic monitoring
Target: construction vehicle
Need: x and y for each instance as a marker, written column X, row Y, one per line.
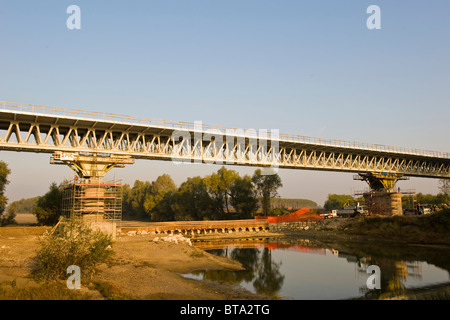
column 422, row 209
column 351, row 211
column 332, row 214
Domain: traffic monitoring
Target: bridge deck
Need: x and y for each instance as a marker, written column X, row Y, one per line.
column 32, row 128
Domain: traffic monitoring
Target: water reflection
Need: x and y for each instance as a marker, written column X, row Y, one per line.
column 260, row 269
column 302, row 269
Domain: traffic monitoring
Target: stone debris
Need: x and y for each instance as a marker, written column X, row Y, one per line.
column 174, row 238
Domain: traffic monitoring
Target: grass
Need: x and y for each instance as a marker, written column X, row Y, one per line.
column 428, row 229
column 110, row 291
column 71, row 243
column 55, row 290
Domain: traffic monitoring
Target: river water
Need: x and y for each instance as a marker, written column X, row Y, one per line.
column 301, row 269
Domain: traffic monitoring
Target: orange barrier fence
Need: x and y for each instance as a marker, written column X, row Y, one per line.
column 298, row 215
column 260, row 217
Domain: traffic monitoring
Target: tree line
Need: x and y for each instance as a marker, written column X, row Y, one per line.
column 222, row 195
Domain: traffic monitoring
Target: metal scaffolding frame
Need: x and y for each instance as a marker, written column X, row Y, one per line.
column 386, row 202
column 98, row 199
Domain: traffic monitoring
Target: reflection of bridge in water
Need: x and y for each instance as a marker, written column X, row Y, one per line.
column 257, row 242
column 396, row 275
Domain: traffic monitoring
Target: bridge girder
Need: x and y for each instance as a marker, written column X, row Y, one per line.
column 181, row 142
column 380, row 181
column 90, row 165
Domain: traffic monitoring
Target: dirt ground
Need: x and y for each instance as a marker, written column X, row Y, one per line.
column 141, row 269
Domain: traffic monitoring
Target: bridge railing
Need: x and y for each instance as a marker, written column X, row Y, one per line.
column 192, row 127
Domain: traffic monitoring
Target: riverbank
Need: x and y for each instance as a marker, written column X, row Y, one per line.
column 140, row 269
column 144, row 267
column 147, row 267
column 431, row 229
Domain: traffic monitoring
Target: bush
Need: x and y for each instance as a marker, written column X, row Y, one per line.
column 71, row 243
column 432, row 228
column 48, row 207
column 9, row 218
column 437, row 222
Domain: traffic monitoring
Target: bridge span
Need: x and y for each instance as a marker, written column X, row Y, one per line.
column 93, row 142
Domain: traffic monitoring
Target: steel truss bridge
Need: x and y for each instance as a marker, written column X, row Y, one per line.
column 93, row 142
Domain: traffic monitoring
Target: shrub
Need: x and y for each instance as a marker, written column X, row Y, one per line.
column 71, row 243
column 437, row 222
column 48, row 207
column 10, row 217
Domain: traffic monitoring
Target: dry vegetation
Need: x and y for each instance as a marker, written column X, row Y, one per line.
column 139, row 269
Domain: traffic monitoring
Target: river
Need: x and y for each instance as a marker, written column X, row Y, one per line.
column 302, row 269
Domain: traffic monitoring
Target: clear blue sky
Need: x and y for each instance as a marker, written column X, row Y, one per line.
column 304, row 67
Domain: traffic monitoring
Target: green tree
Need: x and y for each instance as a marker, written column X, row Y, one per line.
column 163, row 210
column 24, row 205
column 9, row 217
column 159, row 188
column 219, row 187
column 127, row 210
column 444, row 188
column 48, row 207
column 243, row 197
column 137, row 196
column 4, row 173
column 337, row 201
column 431, row 199
column 192, row 201
column 267, row 186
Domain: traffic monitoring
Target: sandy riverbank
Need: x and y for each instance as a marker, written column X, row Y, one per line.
column 144, row 269
column 140, row 268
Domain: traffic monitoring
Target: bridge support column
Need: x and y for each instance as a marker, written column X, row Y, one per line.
column 98, row 203
column 382, row 199
column 90, row 165
column 384, row 202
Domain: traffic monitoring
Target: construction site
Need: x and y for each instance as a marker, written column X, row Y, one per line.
column 382, row 198
column 95, row 201
column 101, row 200
column 88, row 196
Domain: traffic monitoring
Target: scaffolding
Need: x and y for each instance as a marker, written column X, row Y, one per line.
column 92, row 199
column 384, row 202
